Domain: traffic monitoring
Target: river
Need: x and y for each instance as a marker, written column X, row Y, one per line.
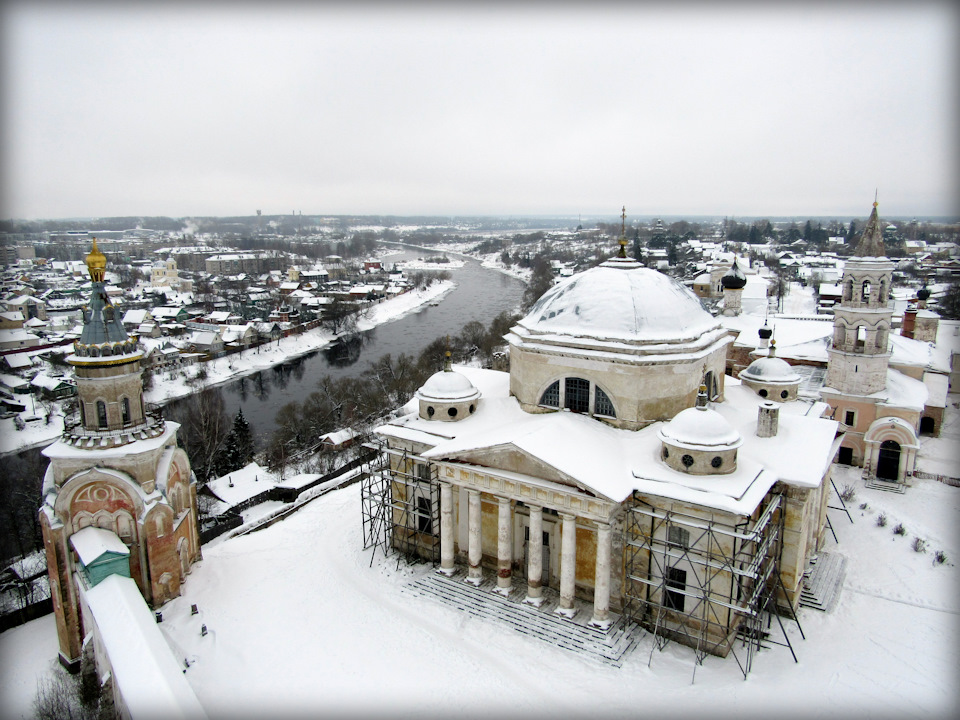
column 480, row 294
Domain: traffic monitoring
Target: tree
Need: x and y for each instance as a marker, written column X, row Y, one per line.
column 205, row 426
column 540, row 282
column 340, row 316
column 949, row 305
column 237, row 449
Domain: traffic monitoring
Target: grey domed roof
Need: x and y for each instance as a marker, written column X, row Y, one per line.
column 700, row 428
column 448, row 386
column 620, row 300
column 771, row 370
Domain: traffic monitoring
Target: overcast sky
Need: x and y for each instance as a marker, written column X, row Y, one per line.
column 712, row 109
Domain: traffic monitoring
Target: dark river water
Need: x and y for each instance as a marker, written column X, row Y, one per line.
column 481, row 294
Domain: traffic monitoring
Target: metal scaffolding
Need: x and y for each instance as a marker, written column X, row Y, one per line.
column 704, row 582
column 400, row 501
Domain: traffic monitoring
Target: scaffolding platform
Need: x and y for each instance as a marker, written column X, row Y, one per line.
column 823, row 582
column 608, row 647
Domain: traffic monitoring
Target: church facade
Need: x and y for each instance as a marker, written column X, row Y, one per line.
column 617, row 465
column 118, row 470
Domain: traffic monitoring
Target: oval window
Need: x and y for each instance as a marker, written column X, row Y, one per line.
column 762, row 393
column 687, row 460
column 452, row 412
column 430, row 411
column 717, row 461
column 784, row 394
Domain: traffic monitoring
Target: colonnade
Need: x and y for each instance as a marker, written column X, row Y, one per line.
column 535, row 580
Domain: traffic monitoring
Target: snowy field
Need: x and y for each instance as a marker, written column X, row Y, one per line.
column 228, row 368
column 300, row 624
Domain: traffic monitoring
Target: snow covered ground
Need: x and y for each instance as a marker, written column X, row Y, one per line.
column 300, row 623
column 224, row 369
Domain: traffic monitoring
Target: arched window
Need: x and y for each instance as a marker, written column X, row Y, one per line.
column 866, row 291
column 576, row 394
column 101, row 414
column 551, row 396
column 602, row 404
column 125, row 409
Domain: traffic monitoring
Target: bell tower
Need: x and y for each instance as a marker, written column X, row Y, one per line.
column 119, row 470
column 859, row 354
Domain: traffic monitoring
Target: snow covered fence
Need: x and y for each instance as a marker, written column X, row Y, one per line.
column 946, row 479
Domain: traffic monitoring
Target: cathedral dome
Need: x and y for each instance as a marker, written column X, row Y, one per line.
column 620, row 300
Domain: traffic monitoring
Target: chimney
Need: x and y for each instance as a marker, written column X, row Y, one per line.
column 768, row 419
column 909, row 321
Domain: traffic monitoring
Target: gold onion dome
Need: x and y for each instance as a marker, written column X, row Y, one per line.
column 96, row 263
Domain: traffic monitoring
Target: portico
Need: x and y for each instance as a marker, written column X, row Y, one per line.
column 530, row 526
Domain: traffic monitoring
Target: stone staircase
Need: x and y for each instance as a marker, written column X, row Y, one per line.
column 608, row 647
column 823, row 582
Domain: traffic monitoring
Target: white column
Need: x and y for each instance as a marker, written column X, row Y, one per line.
column 446, row 528
column 504, row 547
column 601, row 591
column 568, row 563
column 474, row 551
column 535, row 556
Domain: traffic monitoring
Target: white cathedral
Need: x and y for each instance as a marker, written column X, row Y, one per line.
column 618, row 465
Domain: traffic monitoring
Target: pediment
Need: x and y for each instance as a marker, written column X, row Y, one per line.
column 514, row 459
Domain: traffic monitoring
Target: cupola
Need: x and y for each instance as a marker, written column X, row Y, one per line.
column 700, row 441
column 447, row 395
column 772, row 377
column 734, row 279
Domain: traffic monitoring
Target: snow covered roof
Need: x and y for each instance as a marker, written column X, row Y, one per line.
column 700, row 428
column 620, row 300
column 148, row 677
column 242, row 484
column 772, row 370
column 92, row 542
column 448, row 385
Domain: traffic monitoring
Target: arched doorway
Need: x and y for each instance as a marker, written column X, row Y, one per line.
column 927, row 425
column 888, row 461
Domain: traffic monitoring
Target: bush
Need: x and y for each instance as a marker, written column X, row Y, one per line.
column 939, row 557
column 919, row 545
column 864, row 506
column 899, row 529
column 882, row 520
column 848, row 493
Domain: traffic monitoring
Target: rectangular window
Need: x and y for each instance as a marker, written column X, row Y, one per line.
column 577, row 394
column 424, row 515
column 850, row 418
column 678, row 536
column 675, row 579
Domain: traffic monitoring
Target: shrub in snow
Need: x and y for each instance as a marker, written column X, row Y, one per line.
column 882, row 520
column 919, row 545
column 848, row 493
column 864, row 506
column 939, row 557
column 899, row 529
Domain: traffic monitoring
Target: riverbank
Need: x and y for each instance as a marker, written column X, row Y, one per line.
column 165, row 388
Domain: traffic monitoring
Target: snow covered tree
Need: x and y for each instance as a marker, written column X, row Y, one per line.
column 237, row 447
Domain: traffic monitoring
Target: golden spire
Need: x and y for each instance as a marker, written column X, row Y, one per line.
column 876, row 193
column 96, row 263
column 623, row 234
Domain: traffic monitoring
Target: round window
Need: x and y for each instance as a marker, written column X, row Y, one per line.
column 666, row 453
column 762, row 393
column 717, row 461
column 783, row 394
column 430, row 411
column 452, row 412
column 472, row 408
column 687, row 460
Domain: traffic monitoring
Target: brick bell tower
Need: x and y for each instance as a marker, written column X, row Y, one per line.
column 118, row 469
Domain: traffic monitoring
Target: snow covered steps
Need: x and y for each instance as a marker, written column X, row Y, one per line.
column 608, row 647
column 823, row 582
column 888, row 485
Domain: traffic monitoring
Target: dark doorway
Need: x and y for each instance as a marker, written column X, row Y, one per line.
column 927, row 425
column 888, row 463
column 845, row 456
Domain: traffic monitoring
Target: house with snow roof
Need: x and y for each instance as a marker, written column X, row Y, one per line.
column 615, row 472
